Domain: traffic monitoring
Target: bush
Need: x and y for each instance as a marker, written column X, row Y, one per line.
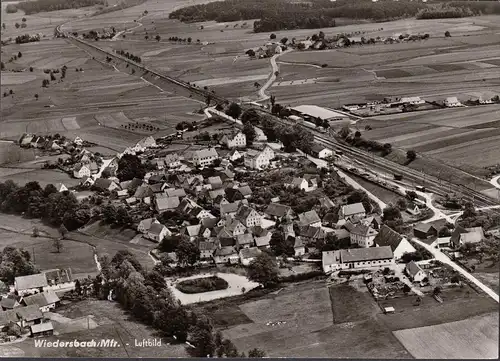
column 205, row 284
column 303, row 276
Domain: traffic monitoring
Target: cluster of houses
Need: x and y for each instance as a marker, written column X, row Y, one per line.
column 31, row 297
column 49, row 143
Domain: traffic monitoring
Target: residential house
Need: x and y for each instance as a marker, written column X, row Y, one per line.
column 29, row 315
column 163, row 204
column 9, row 317
column 172, row 160
column 425, row 230
column 213, row 194
column 414, row 272
column 248, row 216
column 157, row 232
column 398, row 244
column 42, row 329
column 310, row 233
column 235, row 139
column 234, row 155
column 144, row 193
column 226, row 255
column 247, row 255
column 10, row 302
column 147, row 142
column 186, row 205
column 373, row 221
column 413, row 209
column 158, row 163
column 260, row 136
column 207, row 250
column 353, row 212
column 255, row 159
column 244, row 241
column 145, row 224
column 191, row 231
column 235, row 227
column 261, row 236
column 78, row 141
column 215, row 182
column 357, row 258
column 299, row 247
column 61, row 187
column 45, row 301
column 300, row 183
column 309, row 218
column 80, row 170
column 104, row 184
column 229, row 209
column 175, row 192
column 26, row 285
column 200, row 213
column 461, row 236
column 318, row 151
column 277, row 211
column 363, row 235
column 245, row 191
column 204, row 157
column 452, row 102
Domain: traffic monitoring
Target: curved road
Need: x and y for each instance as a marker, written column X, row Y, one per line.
column 270, row 81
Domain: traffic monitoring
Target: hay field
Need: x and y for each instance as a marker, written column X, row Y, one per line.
column 472, row 338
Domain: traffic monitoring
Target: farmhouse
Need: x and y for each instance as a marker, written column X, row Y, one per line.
column 278, row 211
column 145, row 224
column 204, row 157
column 255, row 159
column 414, row 272
column 461, row 236
column 45, row 301
column 352, row 212
column 248, row 216
column 425, row 230
column 320, row 152
column 309, row 218
column 31, row 284
column 357, row 258
column 314, row 111
column 398, row 244
column 42, row 329
column 363, row 235
column 157, row 232
column 234, row 140
column 226, row 255
column 452, row 102
column 80, row 171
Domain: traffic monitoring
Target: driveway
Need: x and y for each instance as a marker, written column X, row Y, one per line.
column 443, row 258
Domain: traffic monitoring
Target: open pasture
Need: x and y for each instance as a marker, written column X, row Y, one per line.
column 475, row 337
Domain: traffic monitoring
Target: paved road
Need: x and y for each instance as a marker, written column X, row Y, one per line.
column 496, row 181
column 270, row 81
column 443, row 258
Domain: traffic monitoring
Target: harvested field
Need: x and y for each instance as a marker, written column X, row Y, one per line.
column 350, row 304
column 472, row 338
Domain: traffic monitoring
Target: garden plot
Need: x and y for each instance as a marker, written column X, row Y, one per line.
column 472, row 338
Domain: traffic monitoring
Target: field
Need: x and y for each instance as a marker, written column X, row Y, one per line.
column 475, row 337
column 107, row 321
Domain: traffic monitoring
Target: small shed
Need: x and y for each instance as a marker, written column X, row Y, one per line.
column 389, row 309
column 42, row 329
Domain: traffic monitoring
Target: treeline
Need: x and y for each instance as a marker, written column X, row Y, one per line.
column 26, row 38
column 130, row 56
column 285, row 15
column 56, row 208
column 33, row 7
column 446, row 12
column 484, row 7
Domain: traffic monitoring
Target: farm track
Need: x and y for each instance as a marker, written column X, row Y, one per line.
column 434, row 184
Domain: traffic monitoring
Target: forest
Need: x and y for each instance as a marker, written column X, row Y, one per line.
column 34, row 7
column 286, row 15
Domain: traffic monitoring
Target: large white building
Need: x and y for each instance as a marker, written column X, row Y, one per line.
column 234, row 140
column 356, row 258
column 259, row 159
column 363, row 235
column 205, row 157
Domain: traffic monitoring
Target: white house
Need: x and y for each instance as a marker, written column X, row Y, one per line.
column 255, row 159
column 78, row 141
column 45, row 301
column 363, row 235
column 320, row 152
column 207, row 249
column 234, row 140
column 157, row 232
column 412, row 100
column 204, row 157
column 80, row 170
column 452, row 102
column 352, row 212
column 259, row 135
column 300, row 183
column 248, row 216
column 234, row 155
column 357, row 258
column 31, row 284
column 398, row 244
column 172, row 160
column 61, row 187
column 414, row 272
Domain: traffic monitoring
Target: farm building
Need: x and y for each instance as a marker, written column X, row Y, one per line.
column 452, row 102
column 45, row 301
column 314, row 111
column 399, row 245
column 363, row 235
column 461, row 236
column 357, row 258
column 278, row 211
column 309, row 218
column 414, row 272
column 29, row 315
column 352, row 212
column 42, row 329
column 226, row 255
column 30, row 284
column 320, row 152
column 204, row 157
column 234, row 140
column 425, row 230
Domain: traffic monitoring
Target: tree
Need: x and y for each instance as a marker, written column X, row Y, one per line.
column 280, row 245
column 234, row 110
column 249, row 132
column 78, row 287
column 158, row 38
column 406, row 288
column 19, row 55
column 437, row 290
column 130, row 167
column 31, row 69
column 284, row 40
column 272, row 36
column 57, row 243
column 17, row 25
column 187, row 253
column 256, row 353
column 2, row 66
column 203, row 341
column 63, row 231
column 250, row 52
column 401, row 204
column 189, row 39
column 23, row 20
column 391, row 213
column 345, row 131
column 447, row 34
column 3, row 26
column 264, row 270
column 250, row 115
column 411, row 155
column 36, row 96
column 469, row 211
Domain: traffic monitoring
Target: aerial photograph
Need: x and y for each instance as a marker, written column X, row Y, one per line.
column 250, row 179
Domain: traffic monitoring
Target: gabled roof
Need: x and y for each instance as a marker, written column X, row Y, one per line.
column 351, row 209
column 206, row 153
column 277, row 210
column 209, row 222
column 243, row 239
column 166, row 203
column 245, row 191
column 171, row 158
column 243, row 212
column 226, row 251
column 262, row 241
column 298, row 243
column 363, row 230
column 229, row 207
column 388, row 237
column 42, row 327
column 9, row 302
column 143, row 191
column 175, row 192
column 103, row 183
column 252, row 252
column 32, row 281
column 258, row 231
column 424, row 227
column 193, row 231
column 308, row 218
column 146, row 223
column 207, row 246
column 29, row 313
column 156, row 228
column 41, row 299
column 365, row 254
column 214, row 180
column 318, row 148
column 216, row 192
column 412, row 268
column 231, row 226
column 297, row 182
column 8, row 316
column 56, row 276
column 326, row 202
column 312, row 232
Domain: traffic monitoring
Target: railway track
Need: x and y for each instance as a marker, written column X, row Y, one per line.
column 435, row 185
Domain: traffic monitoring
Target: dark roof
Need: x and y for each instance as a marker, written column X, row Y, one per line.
column 245, row 191
column 31, row 281
column 229, row 207
column 246, row 238
column 244, row 212
column 308, row 218
column 388, row 237
column 8, row 316
column 57, row 276
column 156, row 228
column 351, row 209
column 41, row 299
column 363, row 230
column 206, row 246
column 250, row 252
column 277, row 210
column 143, row 191
column 225, row 251
column 365, row 254
column 29, row 313
column 312, row 232
column 326, row 202
column 424, row 227
column 9, row 302
column 103, row 183
column 413, row 268
column 209, row 222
